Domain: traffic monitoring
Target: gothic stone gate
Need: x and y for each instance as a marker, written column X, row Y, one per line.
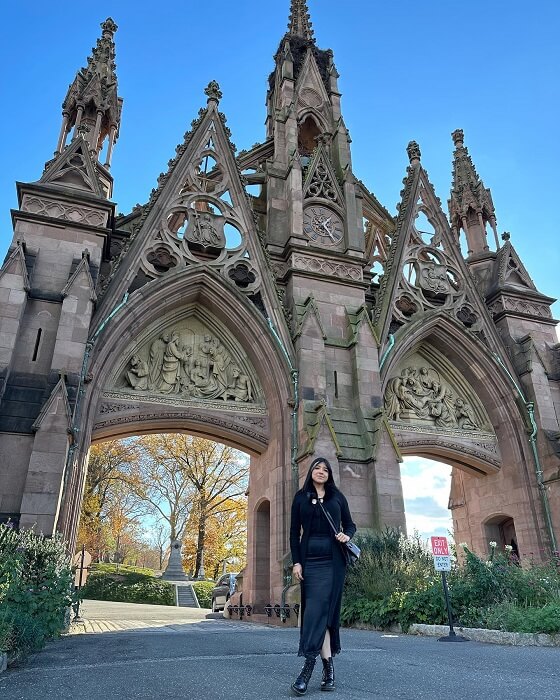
column 197, row 321
column 258, row 320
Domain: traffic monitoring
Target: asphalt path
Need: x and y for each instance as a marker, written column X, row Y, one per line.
column 191, row 654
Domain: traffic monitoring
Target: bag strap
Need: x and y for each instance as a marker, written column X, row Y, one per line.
column 329, row 519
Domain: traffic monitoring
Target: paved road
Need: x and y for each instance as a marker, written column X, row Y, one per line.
column 180, row 654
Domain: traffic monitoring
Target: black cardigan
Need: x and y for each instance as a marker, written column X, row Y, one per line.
column 302, row 512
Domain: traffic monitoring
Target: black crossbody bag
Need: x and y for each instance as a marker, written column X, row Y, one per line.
column 350, row 551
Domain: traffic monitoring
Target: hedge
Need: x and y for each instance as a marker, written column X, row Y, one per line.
column 127, row 584
column 35, row 590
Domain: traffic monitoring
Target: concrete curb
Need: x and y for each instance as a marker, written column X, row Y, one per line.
column 518, row 639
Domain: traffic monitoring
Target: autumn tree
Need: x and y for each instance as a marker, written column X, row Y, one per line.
column 225, row 544
column 107, row 466
column 187, row 478
column 159, row 481
column 159, row 540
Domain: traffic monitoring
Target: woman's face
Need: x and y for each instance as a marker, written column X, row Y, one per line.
column 320, row 474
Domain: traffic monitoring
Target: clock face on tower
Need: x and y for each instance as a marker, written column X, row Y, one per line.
column 322, row 225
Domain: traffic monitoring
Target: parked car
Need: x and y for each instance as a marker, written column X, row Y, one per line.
column 222, row 591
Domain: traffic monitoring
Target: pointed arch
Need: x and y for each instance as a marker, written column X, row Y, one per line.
column 476, row 364
column 184, row 289
column 310, row 125
column 181, row 291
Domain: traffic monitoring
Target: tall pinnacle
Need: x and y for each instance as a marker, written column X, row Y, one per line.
column 102, row 59
column 92, row 100
column 470, row 206
column 299, row 23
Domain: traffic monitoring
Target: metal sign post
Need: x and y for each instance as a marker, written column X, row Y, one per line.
column 442, row 562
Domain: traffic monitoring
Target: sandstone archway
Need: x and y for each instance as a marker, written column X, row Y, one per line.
column 434, row 411
column 193, row 310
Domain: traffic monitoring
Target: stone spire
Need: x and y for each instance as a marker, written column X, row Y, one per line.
column 299, row 23
column 470, row 205
column 92, row 107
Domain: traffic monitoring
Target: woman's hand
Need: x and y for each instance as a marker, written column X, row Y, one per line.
column 298, row 572
column 341, row 537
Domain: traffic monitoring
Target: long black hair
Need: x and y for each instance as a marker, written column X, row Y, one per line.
column 308, row 486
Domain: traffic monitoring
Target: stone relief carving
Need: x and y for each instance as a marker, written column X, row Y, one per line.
column 327, row 267
column 459, row 447
column 63, row 210
column 419, row 394
column 204, row 417
column 118, row 407
column 520, row 306
column 190, row 362
column 206, row 229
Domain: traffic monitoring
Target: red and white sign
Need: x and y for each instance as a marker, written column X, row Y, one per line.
column 440, row 547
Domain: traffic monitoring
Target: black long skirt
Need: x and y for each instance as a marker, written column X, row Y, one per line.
column 320, row 597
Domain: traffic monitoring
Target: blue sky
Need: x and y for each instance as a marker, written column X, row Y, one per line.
column 408, row 70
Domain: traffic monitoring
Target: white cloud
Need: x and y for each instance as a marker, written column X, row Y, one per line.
column 426, row 487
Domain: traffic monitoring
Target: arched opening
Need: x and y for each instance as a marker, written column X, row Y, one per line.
column 173, row 503
column 183, row 309
column 307, row 138
column 501, row 530
column 262, row 553
column 472, row 423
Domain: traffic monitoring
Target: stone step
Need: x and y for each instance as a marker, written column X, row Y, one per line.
column 186, row 597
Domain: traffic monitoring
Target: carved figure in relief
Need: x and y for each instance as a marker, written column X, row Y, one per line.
column 171, row 369
column 434, row 277
column 157, row 351
column 205, row 350
column 442, row 410
column 241, row 389
column 206, row 230
column 465, row 416
column 137, row 374
column 420, row 393
column 405, row 393
column 203, row 385
column 222, row 367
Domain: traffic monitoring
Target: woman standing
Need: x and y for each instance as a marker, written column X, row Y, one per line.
column 320, row 567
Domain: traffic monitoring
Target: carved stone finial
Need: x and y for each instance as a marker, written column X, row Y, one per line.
column 413, row 150
column 83, row 130
column 506, row 236
column 299, row 23
column 213, row 91
column 458, row 138
column 109, row 26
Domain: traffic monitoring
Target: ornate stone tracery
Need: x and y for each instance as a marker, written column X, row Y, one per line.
column 202, row 224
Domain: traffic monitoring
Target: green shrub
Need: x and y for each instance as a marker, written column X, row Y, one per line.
column 35, row 589
column 389, row 562
column 21, row 633
column 425, row 606
column 515, row 618
column 394, row 582
column 127, row 585
column 203, row 590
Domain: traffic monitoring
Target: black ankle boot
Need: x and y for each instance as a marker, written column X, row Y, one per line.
column 328, row 674
column 299, row 686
